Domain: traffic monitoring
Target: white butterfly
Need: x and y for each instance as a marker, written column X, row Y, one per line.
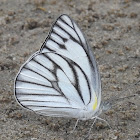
column 62, row 78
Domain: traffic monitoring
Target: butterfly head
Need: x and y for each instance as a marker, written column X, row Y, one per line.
column 104, row 106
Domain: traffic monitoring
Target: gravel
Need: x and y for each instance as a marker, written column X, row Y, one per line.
column 113, row 30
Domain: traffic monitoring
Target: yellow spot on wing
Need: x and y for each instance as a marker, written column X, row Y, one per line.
column 95, row 104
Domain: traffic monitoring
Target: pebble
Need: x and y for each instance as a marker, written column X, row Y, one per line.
column 13, row 40
column 108, row 27
column 133, row 15
column 31, row 24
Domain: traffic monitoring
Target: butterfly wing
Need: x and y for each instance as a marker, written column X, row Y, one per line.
column 66, row 39
column 62, row 79
column 47, row 87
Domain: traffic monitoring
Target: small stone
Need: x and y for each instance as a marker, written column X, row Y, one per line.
column 11, row 13
column 7, row 66
column 109, row 112
column 108, row 27
column 121, row 14
column 45, row 23
column 1, row 32
column 39, row 2
column 95, row 15
column 54, row 127
column 120, row 52
column 126, row 1
column 128, row 116
column 53, row 2
column 26, row 54
column 15, row 115
column 4, row 99
column 98, row 46
column 100, row 125
column 133, row 15
column 31, row 24
column 127, row 48
column 106, row 75
column 33, row 138
column 109, row 51
column 129, row 27
column 123, row 68
column 137, row 135
column 123, row 123
column 105, row 42
column 113, row 137
column 8, row 19
column 13, row 40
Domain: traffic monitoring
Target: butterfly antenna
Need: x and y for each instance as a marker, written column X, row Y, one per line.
column 91, row 127
column 111, row 102
column 131, row 86
column 75, row 125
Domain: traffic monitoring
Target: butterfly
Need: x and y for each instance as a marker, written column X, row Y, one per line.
column 62, row 78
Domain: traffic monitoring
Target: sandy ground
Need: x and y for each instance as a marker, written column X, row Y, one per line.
column 113, row 30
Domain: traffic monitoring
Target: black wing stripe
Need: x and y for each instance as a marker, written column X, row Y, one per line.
column 73, row 28
column 54, row 73
column 32, row 79
column 50, row 107
column 67, row 29
column 55, row 69
column 56, row 30
column 34, row 94
column 62, row 46
column 45, row 97
column 66, row 23
column 72, row 38
column 42, row 94
column 44, row 66
column 57, row 38
column 87, row 80
column 76, row 85
column 23, row 81
column 74, row 72
column 37, row 73
column 62, row 94
column 67, row 20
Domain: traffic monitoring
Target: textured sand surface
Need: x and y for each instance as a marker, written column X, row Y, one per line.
column 113, row 30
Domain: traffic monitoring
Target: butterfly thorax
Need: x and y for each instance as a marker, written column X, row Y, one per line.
column 88, row 113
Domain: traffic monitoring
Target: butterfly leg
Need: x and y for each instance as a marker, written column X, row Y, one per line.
column 104, row 121
column 75, row 126
column 91, row 127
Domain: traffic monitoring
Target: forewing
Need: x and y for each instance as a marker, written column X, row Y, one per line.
column 67, row 40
